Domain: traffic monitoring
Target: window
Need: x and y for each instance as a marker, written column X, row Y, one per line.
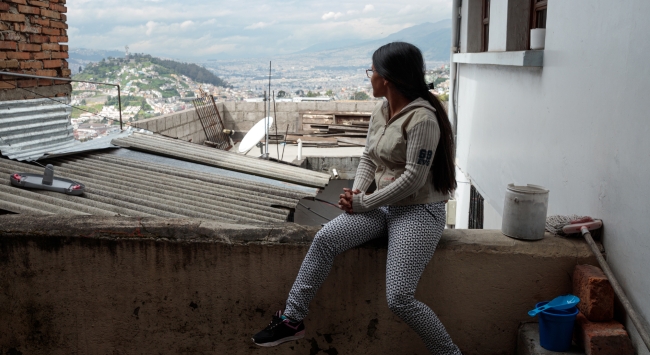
column 486, row 26
column 538, row 19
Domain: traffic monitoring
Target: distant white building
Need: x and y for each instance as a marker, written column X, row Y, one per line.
column 572, row 117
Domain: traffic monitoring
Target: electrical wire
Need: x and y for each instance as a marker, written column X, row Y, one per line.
column 63, row 103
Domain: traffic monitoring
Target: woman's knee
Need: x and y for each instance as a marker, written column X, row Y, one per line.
column 399, row 302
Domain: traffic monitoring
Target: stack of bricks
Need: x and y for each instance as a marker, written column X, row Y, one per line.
column 596, row 328
column 30, row 35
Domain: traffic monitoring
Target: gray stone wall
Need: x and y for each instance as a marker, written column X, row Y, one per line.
column 241, row 116
column 183, row 125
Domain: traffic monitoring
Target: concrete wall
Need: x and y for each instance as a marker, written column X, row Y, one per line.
column 577, row 126
column 183, row 125
column 95, row 285
column 241, row 116
column 30, row 37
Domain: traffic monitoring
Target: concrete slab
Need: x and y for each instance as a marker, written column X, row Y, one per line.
column 528, row 343
column 291, row 151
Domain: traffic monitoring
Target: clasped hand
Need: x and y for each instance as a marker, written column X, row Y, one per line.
column 345, row 201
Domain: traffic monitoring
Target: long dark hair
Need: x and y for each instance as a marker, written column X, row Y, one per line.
column 402, row 64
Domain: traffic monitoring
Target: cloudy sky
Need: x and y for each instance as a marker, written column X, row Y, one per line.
column 195, row 30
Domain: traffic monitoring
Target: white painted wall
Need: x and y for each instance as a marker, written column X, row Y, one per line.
column 578, row 126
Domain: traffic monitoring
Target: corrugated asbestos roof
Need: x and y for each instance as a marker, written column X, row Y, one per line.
column 122, row 186
column 39, row 128
column 223, row 159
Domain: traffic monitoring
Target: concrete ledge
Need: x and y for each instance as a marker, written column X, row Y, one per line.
column 518, row 58
column 528, row 343
column 121, row 285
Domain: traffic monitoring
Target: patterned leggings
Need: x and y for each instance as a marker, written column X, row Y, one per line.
column 413, row 234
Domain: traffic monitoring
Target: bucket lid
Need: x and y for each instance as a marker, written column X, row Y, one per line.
column 528, row 189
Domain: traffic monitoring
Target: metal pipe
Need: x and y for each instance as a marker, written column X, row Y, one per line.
column 453, row 68
column 634, row 317
column 119, row 102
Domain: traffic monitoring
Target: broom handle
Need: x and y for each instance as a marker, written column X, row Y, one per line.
column 634, row 317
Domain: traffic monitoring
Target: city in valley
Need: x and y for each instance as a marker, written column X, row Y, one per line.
column 152, row 86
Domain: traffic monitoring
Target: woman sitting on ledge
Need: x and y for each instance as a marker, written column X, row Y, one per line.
column 409, row 154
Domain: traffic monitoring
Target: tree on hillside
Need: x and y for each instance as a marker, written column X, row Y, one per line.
column 282, row 94
column 359, row 96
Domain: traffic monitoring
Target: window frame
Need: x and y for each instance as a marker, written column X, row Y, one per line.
column 535, row 7
column 485, row 26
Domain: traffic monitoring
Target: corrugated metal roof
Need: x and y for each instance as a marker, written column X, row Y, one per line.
column 40, row 128
column 223, row 159
column 29, row 128
column 122, row 186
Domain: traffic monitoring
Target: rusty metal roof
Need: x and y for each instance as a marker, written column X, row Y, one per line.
column 223, row 159
column 117, row 185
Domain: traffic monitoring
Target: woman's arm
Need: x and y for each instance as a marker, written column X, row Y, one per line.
column 422, row 136
column 365, row 172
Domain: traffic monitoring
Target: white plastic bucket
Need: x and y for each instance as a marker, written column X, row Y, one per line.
column 537, row 38
column 524, row 212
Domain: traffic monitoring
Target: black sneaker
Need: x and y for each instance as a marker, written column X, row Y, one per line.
column 279, row 331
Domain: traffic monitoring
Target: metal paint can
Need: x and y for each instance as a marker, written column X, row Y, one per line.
column 524, row 212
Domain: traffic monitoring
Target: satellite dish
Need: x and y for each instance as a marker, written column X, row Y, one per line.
column 254, row 135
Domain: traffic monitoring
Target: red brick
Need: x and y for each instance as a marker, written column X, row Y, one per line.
column 602, row 338
column 64, row 33
column 55, row 63
column 41, row 22
column 4, row 6
column 50, row 14
column 65, row 64
column 7, row 45
column 45, row 82
column 51, row 46
column 57, row 24
column 3, row 55
column 7, row 84
column 60, row 55
column 17, row 55
column 12, row 17
column 31, row 65
column 11, row 63
column 27, row 83
column 3, row 26
column 39, row 39
column 37, row 3
column 46, row 72
column 22, row 2
column 64, row 17
column 51, row 31
column 26, row 28
column 63, row 39
column 26, row 47
column 42, row 55
column 57, row 7
column 595, row 292
column 64, row 48
column 66, row 73
column 23, row 9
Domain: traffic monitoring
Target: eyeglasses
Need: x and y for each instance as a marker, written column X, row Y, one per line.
column 369, row 72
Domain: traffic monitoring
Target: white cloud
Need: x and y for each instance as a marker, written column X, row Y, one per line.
column 150, row 27
column 195, row 30
column 331, row 15
column 259, row 25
